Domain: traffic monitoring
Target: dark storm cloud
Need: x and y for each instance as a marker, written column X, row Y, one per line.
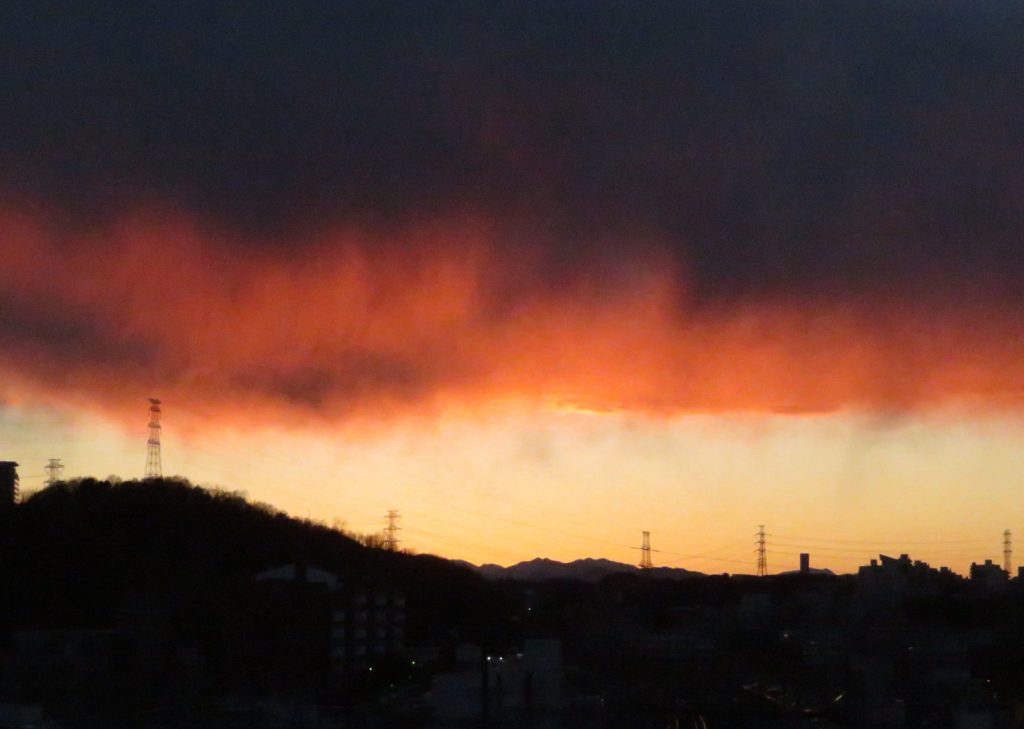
column 34, row 330
column 822, row 149
column 350, row 377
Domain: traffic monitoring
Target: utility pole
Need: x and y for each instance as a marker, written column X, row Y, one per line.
column 645, row 552
column 1007, row 552
column 54, row 470
column 762, row 551
column 391, row 530
column 154, row 469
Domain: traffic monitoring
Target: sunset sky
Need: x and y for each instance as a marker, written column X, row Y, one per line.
column 539, row 275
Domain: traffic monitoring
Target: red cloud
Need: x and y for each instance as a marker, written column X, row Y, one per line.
column 360, row 325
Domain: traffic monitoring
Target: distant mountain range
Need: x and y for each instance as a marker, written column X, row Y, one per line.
column 586, row 570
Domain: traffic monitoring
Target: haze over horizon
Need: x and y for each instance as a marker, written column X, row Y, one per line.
column 540, row 276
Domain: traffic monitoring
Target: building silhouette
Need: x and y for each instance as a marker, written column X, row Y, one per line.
column 8, row 484
column 989, row 576
column 348, row 627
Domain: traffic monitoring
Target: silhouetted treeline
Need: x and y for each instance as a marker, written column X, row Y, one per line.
column 175, row 564
column 73, row 551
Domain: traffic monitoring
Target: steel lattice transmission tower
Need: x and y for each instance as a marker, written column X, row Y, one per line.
column 54, row 470
column 391, row 530
column 645, row 552
column 1007, row 551
column 762, row 551
column 154, row 469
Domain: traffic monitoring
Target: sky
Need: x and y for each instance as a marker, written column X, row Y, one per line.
column 539, row 275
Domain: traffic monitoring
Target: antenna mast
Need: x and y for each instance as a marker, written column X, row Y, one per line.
column 154, row 469
column 1007, row 551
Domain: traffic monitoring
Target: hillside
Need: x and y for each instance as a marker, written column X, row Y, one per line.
column 78, row 552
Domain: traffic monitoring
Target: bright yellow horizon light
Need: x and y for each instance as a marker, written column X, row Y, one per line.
column 565, row 483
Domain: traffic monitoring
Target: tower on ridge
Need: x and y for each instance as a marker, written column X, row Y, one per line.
column 154, row 469
column 391, row 531
column 645, row 552
column 54, row 470
column 762, row 551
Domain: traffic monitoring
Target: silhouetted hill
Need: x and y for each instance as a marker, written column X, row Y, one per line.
column 83, row 552
column 812, row 571
column 586, row 570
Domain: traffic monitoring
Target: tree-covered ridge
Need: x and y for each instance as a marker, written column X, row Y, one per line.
column 76, row 553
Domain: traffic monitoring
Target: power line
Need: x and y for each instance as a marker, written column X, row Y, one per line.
column 327, row 504
column 452, row 542
column 703, row 556
column 857, row 550
column 717, row 559
column 706, row 554
column 447, row 505
column 888, row 542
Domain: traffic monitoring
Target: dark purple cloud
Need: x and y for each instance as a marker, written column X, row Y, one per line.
column 667, row 206
column 823, row 148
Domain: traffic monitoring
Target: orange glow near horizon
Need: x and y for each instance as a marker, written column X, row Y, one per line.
column 508, row 416
column 360, row 328
column 567, row 485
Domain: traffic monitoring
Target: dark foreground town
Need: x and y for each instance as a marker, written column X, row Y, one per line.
column 160, row 604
